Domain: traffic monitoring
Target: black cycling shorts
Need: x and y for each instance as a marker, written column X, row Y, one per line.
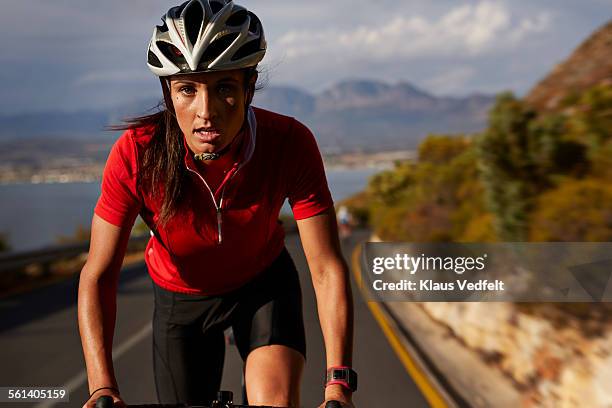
column 188, row 338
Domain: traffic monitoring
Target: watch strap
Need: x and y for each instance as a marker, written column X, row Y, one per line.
column 342, row 375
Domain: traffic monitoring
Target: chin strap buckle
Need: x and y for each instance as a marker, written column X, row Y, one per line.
column 206, row 156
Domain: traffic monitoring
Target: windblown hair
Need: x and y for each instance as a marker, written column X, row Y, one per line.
column 163, row 174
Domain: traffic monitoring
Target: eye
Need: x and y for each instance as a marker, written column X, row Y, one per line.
column 226, row 89
column 187, row 90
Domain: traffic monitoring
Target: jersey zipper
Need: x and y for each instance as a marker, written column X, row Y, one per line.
column 218, row 208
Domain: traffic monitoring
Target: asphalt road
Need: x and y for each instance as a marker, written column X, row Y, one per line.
column 40, row 345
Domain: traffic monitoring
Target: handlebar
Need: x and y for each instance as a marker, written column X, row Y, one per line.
column 106, row 401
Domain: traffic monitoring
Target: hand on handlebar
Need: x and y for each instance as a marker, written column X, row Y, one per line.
column 336, row 404
column 337, row 396
column 93, row 402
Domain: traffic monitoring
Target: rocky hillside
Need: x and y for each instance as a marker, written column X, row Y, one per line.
column 590, row 64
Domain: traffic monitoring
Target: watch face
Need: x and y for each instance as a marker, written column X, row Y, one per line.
column 344, row 376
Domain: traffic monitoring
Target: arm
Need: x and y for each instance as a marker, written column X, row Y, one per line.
column 330, row 278
column 97, row 302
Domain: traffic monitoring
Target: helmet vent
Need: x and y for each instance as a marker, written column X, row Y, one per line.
column 154, row 61
column 255, row 23
column 247, row 49
column 237, row 19
column 193, row 21
column 216, row 6
column 218, row 46
column 176, row 11
column 172, row 53
column 163, row 28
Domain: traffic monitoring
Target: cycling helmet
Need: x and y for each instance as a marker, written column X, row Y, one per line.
column 204, row 36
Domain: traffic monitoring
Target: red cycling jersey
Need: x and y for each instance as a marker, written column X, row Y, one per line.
column 221, row 243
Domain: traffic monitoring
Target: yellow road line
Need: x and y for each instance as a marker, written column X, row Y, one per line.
column 429, row 391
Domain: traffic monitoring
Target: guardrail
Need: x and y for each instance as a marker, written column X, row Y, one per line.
column 12, row 261
column 45, row 257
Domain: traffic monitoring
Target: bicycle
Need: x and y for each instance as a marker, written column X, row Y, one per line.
column 224, row 400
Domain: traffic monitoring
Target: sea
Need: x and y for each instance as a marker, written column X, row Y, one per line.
column 34, row 216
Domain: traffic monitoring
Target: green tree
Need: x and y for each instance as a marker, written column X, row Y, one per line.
column 507, row 168
column 578, row 210
column 521, row 155
column 390, row 186
column 441, row 149
column 433, row 199
column 591, row 120
column 601, row 162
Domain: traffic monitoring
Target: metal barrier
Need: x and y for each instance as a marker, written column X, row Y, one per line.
column 12, row 261
column 45, row 256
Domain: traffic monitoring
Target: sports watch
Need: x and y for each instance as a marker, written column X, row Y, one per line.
column 344, row 376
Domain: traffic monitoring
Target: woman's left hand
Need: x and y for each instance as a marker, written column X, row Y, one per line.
column 338, row 393
column 342, row 404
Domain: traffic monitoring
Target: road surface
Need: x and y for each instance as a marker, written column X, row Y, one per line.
column 40, row 345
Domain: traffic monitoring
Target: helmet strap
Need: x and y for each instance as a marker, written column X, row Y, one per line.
column 165, row 84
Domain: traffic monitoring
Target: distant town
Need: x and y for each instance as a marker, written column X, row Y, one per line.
column 75, row 171
column 360, row 160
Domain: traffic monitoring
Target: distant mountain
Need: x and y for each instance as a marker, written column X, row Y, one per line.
column 351, row 115
column 374, row 115
column 85, row 124
column 588, row 65
column 287, row 100
column 361, row 94
column 52, row 125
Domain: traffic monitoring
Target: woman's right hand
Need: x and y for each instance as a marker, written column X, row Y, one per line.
column 117, row 401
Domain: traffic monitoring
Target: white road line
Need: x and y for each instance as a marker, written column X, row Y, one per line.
column 132, row 341
column 81, row 378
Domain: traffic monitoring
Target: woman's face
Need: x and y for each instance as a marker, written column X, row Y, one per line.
column 210, row 108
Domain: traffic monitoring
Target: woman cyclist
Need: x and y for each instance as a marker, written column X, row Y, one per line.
column 209, row 174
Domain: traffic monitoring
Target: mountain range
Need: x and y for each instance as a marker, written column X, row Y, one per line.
column 361, row 115
column 353, row 115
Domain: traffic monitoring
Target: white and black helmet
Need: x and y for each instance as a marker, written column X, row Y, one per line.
column 206, row 35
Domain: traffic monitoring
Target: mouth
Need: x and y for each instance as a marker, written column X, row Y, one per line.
column 207, row 134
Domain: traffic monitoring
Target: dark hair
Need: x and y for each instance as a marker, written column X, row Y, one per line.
column 162, row 172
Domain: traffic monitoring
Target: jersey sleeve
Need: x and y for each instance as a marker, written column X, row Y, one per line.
column 119, row 202
column 307, row 189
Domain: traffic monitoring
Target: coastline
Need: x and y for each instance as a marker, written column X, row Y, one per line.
column 85, row 177
column 91, row 172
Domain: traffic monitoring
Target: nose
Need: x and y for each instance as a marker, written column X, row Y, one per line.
column 206, row 109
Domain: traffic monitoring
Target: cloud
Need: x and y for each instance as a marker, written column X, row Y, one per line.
column 444, row 45
column 538, row 24
column 450, row 81
column 473, row 29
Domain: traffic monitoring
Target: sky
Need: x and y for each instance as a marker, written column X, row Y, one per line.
column 69, row 55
